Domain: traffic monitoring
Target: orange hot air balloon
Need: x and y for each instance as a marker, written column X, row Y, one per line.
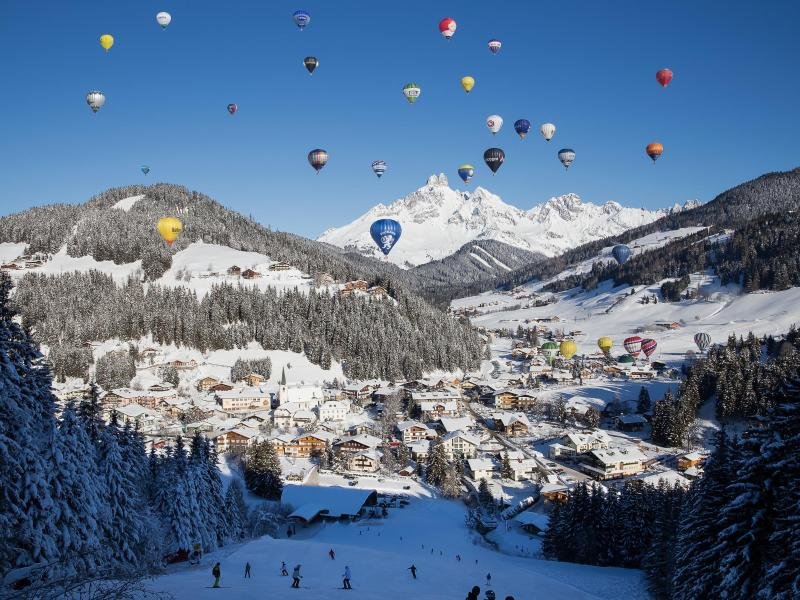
column 664, row 76
column 654, row 150
column 169, row 228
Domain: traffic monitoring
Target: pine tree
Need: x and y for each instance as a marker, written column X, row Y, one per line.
column 643, row 405
column 236, row 510
column 90, row 413
column 506, row 472
column 262, row 473
column 436, row 469
column 485, row 494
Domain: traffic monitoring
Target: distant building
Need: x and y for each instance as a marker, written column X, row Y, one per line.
column 366, row 461
column 206, row 383
column 514, row 399
column 234, row 270
column 323, row 279
column 280, row 266
column 250, row 274
column 235, row 441
column 690, row 460
column 244, row 399
column 333, row 410
column 460, row 445
column 184, row 365
column 613, row 464
column 306, row 397
column 254, row 379
column 630, row 422
column 412, row 431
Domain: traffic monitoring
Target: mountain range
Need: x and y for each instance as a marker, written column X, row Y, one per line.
column 438, row 220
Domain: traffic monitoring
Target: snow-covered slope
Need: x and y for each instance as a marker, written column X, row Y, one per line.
column 437, row 220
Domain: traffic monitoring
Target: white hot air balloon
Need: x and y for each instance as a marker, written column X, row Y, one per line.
column 95, row 100
column 548, row 130
column 494, row 123
column 163, row 19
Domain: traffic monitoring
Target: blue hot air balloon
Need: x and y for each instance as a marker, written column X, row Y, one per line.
column 522, row 127
column 621, row 253
column 145, row 169
column 466, row 172
column 301, row 18
column 385, row 233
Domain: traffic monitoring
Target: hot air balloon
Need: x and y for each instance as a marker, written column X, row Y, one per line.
column 568, row 349
column 447, row 27
column 548, row 130
column 648, row 347
column 494, row 123
column 633, row 345
column 703, row 341
column 605, row 343
column 385, row 233
column 301, row 18
column 566, row 156
column 232, row 108
column 493, row 158
column 311, row 63
column 169, row 228
column 664, row 76
column 317, row 158
column 106, row 41
column 522, row 127
column 626, row 359
column 163, row 19
column 466, row 172
column 494, row 46
column 411, row 91
column 467, row 83
column 379, row 167
column 145, row 169
column 95, row 100
column 621, row 253
column 549, row 350
column 654, row 150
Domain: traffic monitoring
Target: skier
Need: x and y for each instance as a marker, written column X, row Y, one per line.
column 296, row 577
column 284, row 572
column 332, row 554
column 247, row 570
column 346, row 578
column 488, row 579
column 490, row 595
column 473, row 595
column 216, row 573
column 413, row 569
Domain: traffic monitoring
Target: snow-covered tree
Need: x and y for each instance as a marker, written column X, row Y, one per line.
column 436, row 468
column 236, row 510
column 262, row 472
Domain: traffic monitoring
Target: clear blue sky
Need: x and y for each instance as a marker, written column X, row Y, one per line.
column 730, row 114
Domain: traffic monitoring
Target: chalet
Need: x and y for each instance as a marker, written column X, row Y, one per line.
column 206, row 383
column 364, row 428
column 412, row 431
column 357, row 284
column 181, row 365
column 378, row 291
column 532, row 523
column 460, row 445
column 221, row 387
column 366, row 461
column 481, row 468
column 250, row 274
column 690, row 460
column 174, row 407
column 303, row 446
column 235, row 441
column 630, row 422
column 613, row 464
column 554, row 492
column 558, row 376
column 448, row 424
column 138, row 417
column 524, row 469
column 254, row 379
column 323, row 279
column 257, row 420
column 244, row 399
column 280, row 266
column 333, row 410
column 382, row 394
column 572, row 444
column 433, row 411
column 234, row 270
column 640, row 373
column 125, row 396
column 303, row 418
column 357, row 443
column 514, row 400
column 307, row 397
column 512, row 425
column 358, row 391
column 10, row 267
column 161, row 387
column 419, row 450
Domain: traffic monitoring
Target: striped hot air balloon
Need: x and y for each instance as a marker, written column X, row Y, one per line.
column 549, row 350
column 379, row 167
column 703, row 341
column 318, row 158
column 633, row 345
column 648, row 347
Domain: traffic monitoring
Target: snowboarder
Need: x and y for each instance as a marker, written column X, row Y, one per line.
column 346, row 578
column 413, row 569
column 284, row 572
column 473, row 595
column 332, row 554
column 488, row 579
column 247, row 570
column 296, row 577
column 216, row 573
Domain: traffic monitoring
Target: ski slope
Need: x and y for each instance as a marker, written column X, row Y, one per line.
column 127, row 203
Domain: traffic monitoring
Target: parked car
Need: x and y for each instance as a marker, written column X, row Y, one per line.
column 406, row 487
column 353, row 482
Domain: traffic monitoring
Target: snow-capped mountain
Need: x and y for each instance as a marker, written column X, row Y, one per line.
column 437, row 220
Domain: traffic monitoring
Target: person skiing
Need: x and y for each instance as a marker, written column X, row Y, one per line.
column 247, row 570
column 473, row 595
column 284, row 572
column 488, row 579
column 296, row 577
column 216, row 572
column 332, row 554
column 413, row 569
column 346, row 578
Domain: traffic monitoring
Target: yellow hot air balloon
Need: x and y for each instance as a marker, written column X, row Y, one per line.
column 568, row 349
column 106, row 41
column 169, row 228
column 467, row 83
column 605, row 343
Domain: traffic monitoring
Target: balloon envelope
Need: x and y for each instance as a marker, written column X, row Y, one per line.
column 447, row 27
column 145, row 169
column 301, row 18
column 648, row 347
column 467, row 83
column 494, row 158
column 494, row 123
column 95, row 100
column 522, row 127
column 311, row 63
column 169, row 228
column 385, row 233
column 664, row 76
column 548, row 130
column 633, row 345
column 605, row 343
column 379, row 167
column 318, row 158
column 232, row 108
column 566, row 156
column 703, row 341
column 466, row 172
column 411, row 91
column 106, row 41
column 654, row 150
column 568, row 349
column 621, row 253
column 163, row 19
column 494, row 46
column 549, row 350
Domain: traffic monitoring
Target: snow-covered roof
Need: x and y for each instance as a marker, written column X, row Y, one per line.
column 631, row 419
column 245, row 392
column 474, row 440
column 135, row 411
column 692, row 456
column 527, row 517
column 308, row 501
column 456, row 423
column 671, row 478
column 481, row 464
column 617, row 455
column 435, row 395
column 130, row 394
column 403, row 425
column 429, row 406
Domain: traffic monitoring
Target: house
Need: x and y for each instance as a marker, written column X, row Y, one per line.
column 312, row 502
column 307, row 397
column 365, row 427
column 221, row 387
column 254, row 379
column 481, row 468
column 378, row 291
column 613, row 464
column 382, row 394
column 630, row 422
column 174, row 407
column 303, row 418
column 558, row 376
column 412, row 431
column 302, row 446
column 448, row 424
column 323, row 279
column 124, row 396
column 181, row 365
column 433, row 410
column 419, row 450
column 333, row 410
column 235, row 441
column 533, row 523
column 357, row 443
column 458, row 444
column 523, row 469
column 514, row 399
column 244, row 399
column 234, row 270
column 160, row 387
column 512, row 425
column 637, row 373
column 366, row 461
column 206, row 383
column 10, row 267
column 357, row 284
column 138, row 417
column 250, row 274
column 554, row 492
column 580, row 443
column 690, row 460
column 358, row 391
column 280, row 266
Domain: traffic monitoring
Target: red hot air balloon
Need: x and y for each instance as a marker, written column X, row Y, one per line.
column 447, row 27
column 232, row 108
column 633, row 345
column 648, row 347
column 664, row 76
